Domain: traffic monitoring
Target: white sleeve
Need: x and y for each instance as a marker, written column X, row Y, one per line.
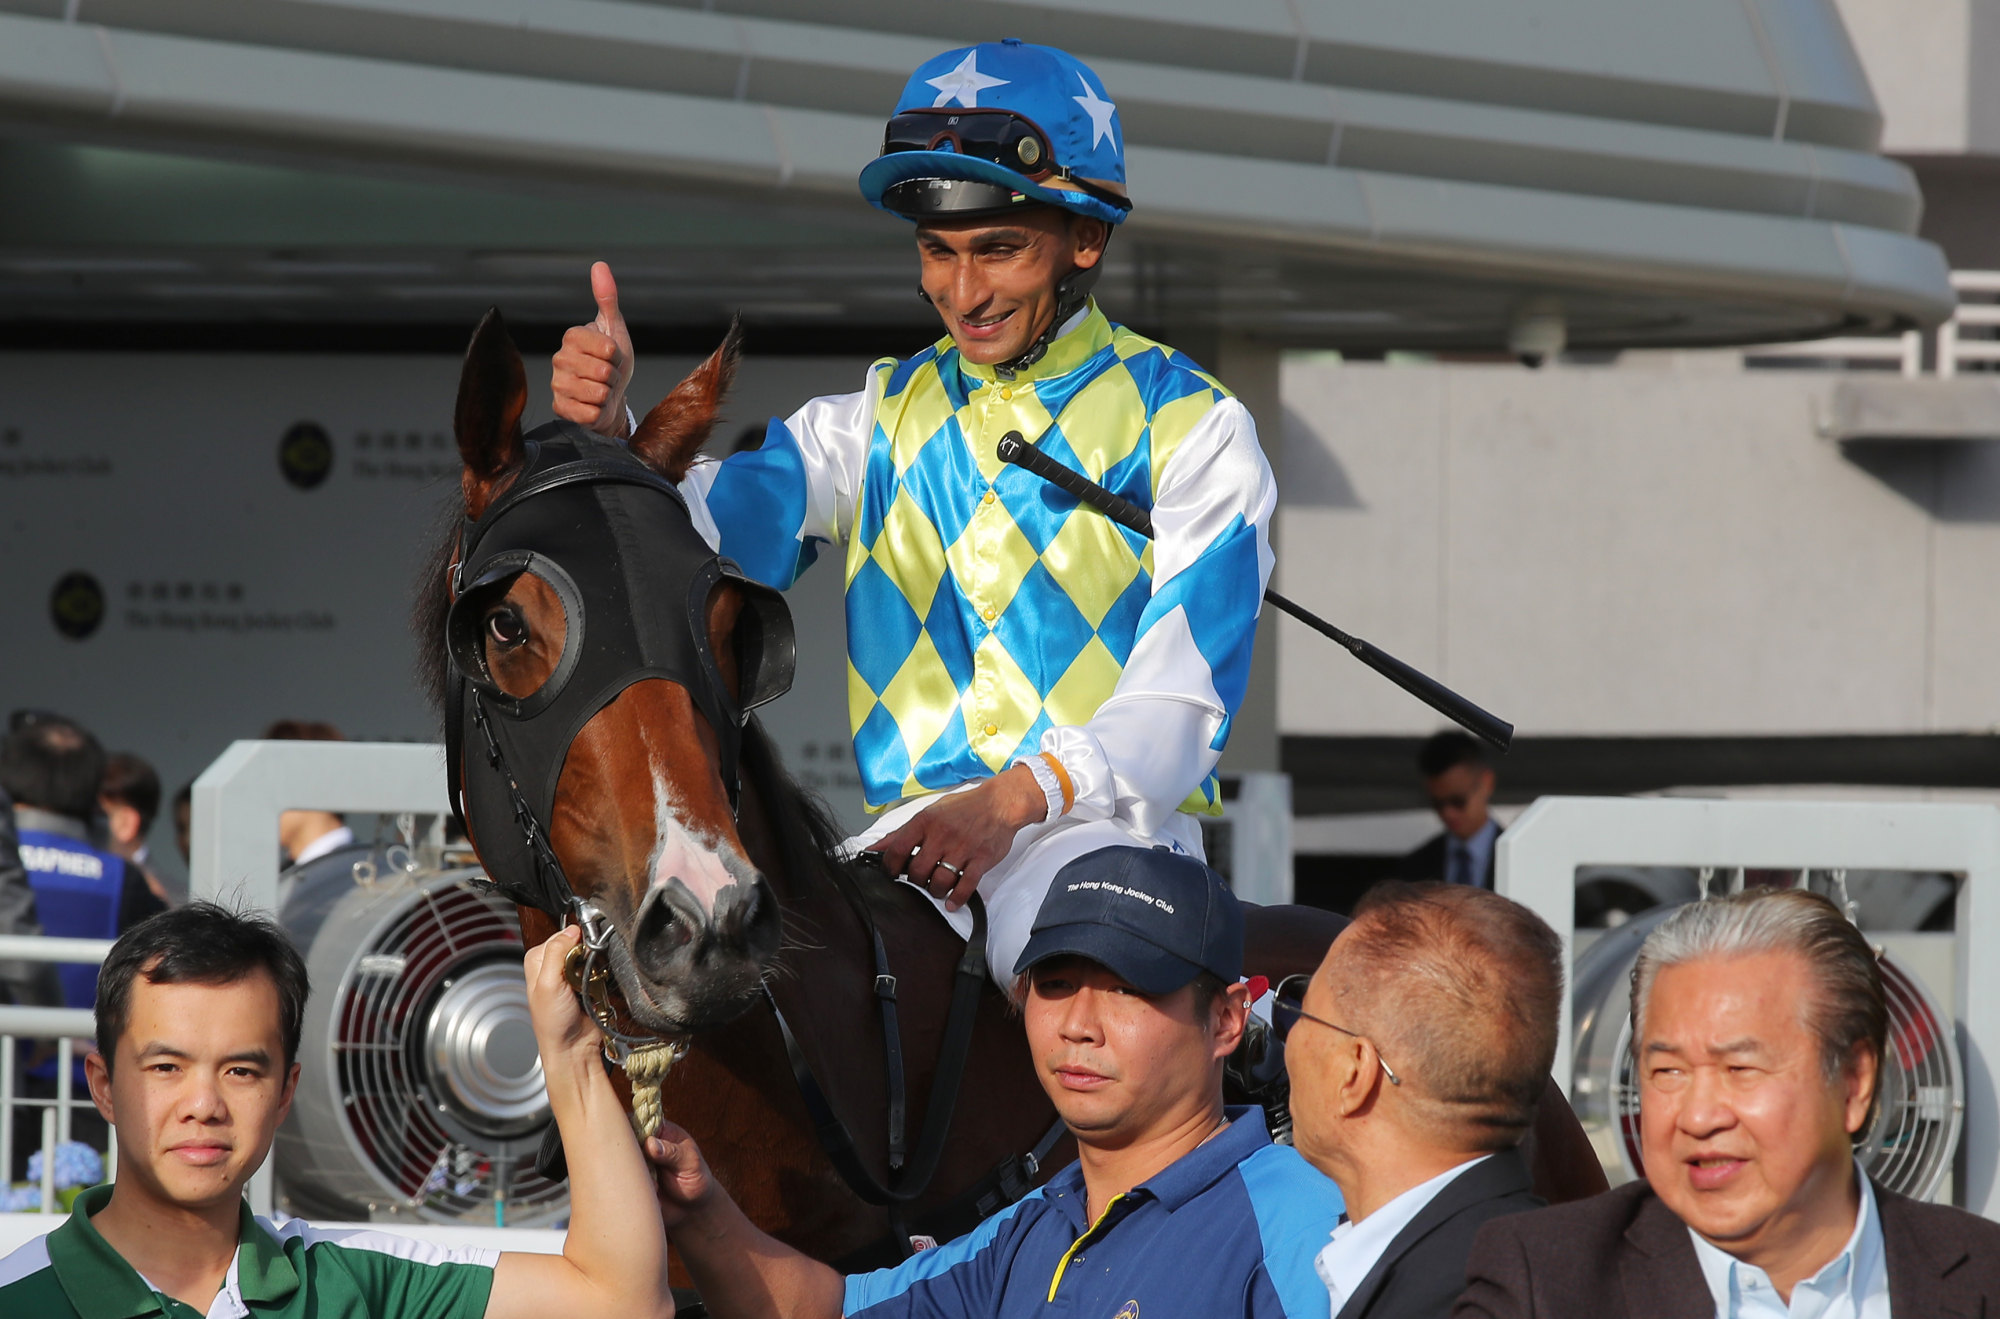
column 769, row 508
column 1162, row 730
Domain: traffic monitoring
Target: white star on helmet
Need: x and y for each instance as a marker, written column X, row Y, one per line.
column 1099, row 110
column 963, row 84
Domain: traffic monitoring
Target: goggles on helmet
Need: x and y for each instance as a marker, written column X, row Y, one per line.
column 1010, row 140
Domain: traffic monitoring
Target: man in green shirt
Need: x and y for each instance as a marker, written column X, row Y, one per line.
column 198, row 1020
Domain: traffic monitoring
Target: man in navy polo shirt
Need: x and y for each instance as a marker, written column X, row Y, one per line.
column 1175, row 1207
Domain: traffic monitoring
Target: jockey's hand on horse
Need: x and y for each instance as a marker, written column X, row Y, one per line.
column 946, row 848
column 686, row 1185
column 593, row 368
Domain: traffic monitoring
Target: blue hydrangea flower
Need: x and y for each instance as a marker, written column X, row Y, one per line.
column 76, row 1165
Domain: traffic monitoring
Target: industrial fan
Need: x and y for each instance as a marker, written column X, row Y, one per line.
column 1909, row 1148
column 421, row 1095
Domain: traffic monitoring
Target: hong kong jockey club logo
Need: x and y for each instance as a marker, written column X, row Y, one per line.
column 1129, row 1310
column 77, row 605
column 305, row 454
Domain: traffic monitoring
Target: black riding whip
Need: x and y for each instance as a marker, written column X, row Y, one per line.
column 1486, row 725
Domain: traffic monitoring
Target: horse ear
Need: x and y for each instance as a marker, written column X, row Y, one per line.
column 492, row 394
column 674, row 431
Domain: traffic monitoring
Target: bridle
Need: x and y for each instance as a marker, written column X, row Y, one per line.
column 614, row 542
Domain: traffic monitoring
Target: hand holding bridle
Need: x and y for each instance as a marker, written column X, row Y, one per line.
column 946, row 848
column 562, row 1031
column 593, row 368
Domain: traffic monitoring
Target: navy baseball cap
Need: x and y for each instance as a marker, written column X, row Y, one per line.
column 1154, row 918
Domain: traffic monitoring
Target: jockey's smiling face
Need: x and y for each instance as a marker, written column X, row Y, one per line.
column 993, row 281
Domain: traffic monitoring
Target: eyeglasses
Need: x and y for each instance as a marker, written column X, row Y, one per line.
column 1288, row 1010
column 1010, row 140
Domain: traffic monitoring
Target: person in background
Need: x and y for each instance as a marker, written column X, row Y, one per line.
column 129, row 799
column 52, row 767
column 1759, row 1031
column 30, row 984
column 1417, row 1055
column 306, row 835
column 199, row 1015
column 1459, row 781
column 183, row 811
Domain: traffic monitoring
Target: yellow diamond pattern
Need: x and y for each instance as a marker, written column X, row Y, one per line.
column 990, row 559
column 920, row 413
column 1104, row 422
column 1089, row 682
column 986, row 417
column 921, row 697
column 860, row 699
column 1171, row 424
column 909, row 550
column 1001, row 698
column 1093, row 565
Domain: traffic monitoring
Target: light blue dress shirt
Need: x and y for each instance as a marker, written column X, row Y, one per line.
column 1345, row 1262
column 1853, row 1285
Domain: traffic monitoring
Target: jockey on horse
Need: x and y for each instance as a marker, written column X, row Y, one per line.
column 1027, row 681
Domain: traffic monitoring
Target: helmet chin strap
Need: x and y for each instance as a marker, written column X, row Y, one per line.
column 1072, row 292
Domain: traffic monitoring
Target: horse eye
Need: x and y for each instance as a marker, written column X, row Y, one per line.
column 506, row 627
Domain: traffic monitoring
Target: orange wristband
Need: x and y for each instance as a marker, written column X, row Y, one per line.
column 1062, row 778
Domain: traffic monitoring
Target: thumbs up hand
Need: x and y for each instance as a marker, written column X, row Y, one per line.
column 594, row 365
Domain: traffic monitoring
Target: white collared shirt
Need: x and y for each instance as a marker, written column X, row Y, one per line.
column 1853, row 1285
column 330, row 841
column 1344, row 1262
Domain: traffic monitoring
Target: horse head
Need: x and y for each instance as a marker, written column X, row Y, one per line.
column 601, row 660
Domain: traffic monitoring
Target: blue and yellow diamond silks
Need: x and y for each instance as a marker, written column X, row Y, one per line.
column 984, row 605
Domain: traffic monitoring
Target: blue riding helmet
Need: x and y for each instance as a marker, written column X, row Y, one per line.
column 986, row 128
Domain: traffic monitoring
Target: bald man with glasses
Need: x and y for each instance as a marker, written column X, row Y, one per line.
column 1417, row 1053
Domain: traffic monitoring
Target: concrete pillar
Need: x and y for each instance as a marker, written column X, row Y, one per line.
column 1250, row 369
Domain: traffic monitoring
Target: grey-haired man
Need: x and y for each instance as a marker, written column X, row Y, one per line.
column 1759, row 1032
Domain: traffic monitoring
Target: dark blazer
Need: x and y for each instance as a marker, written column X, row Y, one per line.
column 1423, row 1269
column 1427, row 862
column 1624, row 1255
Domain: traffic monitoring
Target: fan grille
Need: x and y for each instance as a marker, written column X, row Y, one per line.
column 440, row 1162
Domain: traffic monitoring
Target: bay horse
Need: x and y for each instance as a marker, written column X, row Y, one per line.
column 725, row 904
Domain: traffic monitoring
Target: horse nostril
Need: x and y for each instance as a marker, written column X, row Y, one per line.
column 752, row 922
column 661, row 932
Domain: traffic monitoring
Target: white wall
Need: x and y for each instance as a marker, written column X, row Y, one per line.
column 1930, row 64
column 1631, row 551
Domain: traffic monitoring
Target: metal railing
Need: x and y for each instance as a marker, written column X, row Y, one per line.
column 63, row 1025
column 1978, row 311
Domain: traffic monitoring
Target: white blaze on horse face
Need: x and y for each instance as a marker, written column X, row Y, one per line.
column 678, row 853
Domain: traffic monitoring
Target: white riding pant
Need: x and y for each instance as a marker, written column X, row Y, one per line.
column 1013, row 890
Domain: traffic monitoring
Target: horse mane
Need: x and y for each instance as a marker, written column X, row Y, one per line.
column 431, row 602
column 805, row 831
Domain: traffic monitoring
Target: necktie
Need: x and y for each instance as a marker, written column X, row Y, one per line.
column 1460, row 870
